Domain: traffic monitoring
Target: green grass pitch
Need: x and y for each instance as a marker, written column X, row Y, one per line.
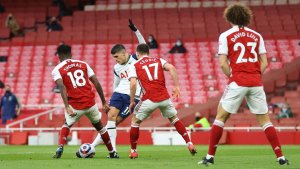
column 152, row 157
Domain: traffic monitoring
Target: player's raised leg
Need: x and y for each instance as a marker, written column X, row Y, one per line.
column 168, row 110
column 182, row 131
column 94, row 116
column 98, row 140
column 215, row 135
column 106, row 139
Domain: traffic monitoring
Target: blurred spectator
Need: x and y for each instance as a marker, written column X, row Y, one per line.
column 13, row 25
column 54, row 25
column 178, row 47
column 2, row 8
column 63, row 10
column 10, row 106
column 1, row 85
column 152, row 43
column 82, row 3
column 285, row 110
column 200, row 121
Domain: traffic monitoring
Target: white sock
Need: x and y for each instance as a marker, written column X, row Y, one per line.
column 282, row 157
column 98, row 140
column 209, row 156
column 189, row 143
column 112, row 131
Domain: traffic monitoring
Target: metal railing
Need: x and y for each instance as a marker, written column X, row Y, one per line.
column 41, row 106
column 35, row 117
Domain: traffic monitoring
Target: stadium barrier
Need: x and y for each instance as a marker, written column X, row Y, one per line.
column 15, row 133
column 35, row 117
column 159, row 135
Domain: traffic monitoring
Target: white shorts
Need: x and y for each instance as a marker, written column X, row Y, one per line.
column 92, row 113
column 234, row 95
column 145, row 108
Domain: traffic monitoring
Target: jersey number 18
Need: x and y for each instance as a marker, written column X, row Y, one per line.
column 77, row 78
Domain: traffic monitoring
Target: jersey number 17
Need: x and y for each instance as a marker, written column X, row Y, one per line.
column 146, row 68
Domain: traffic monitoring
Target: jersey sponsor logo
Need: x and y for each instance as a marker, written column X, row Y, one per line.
column 124, row 75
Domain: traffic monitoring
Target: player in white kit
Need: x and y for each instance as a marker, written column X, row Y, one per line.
column 120, row 99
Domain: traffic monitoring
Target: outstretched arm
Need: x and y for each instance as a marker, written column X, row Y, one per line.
column 99, row 89
column 174, row 75
column 64, row 96
column 137, row 32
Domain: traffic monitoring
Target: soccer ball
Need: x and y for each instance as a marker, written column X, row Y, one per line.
column 86, row 150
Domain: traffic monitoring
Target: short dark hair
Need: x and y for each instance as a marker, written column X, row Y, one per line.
column 63, row 49
column 238, row 14
column 117, row 48
column 143, row 49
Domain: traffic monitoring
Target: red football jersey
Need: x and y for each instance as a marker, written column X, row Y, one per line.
column 243, row 47
column 75, row 75
column 150, row 73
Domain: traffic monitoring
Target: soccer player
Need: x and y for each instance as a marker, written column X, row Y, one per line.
column 72, row 77
column 120, row 99
column 243, row 60
column 150, row 73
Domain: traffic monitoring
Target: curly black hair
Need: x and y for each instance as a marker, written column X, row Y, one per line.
column 238, row 14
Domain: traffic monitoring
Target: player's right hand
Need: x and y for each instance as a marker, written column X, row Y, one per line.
column 105, row 108
column 131, row 106
column 176, row 92
column 70, row 112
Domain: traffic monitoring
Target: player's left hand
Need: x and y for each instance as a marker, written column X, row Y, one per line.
column 132, row 26
column 70, row 112
column 176, row 92
column 131, row 106
column 105, row 108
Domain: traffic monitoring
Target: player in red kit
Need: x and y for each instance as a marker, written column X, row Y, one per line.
column 243, row 59
column 150, row 73
column 72, row 77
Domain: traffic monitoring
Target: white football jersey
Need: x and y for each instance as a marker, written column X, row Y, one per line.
column 121, row 82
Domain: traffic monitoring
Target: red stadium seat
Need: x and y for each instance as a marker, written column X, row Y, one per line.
column 4, row 34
